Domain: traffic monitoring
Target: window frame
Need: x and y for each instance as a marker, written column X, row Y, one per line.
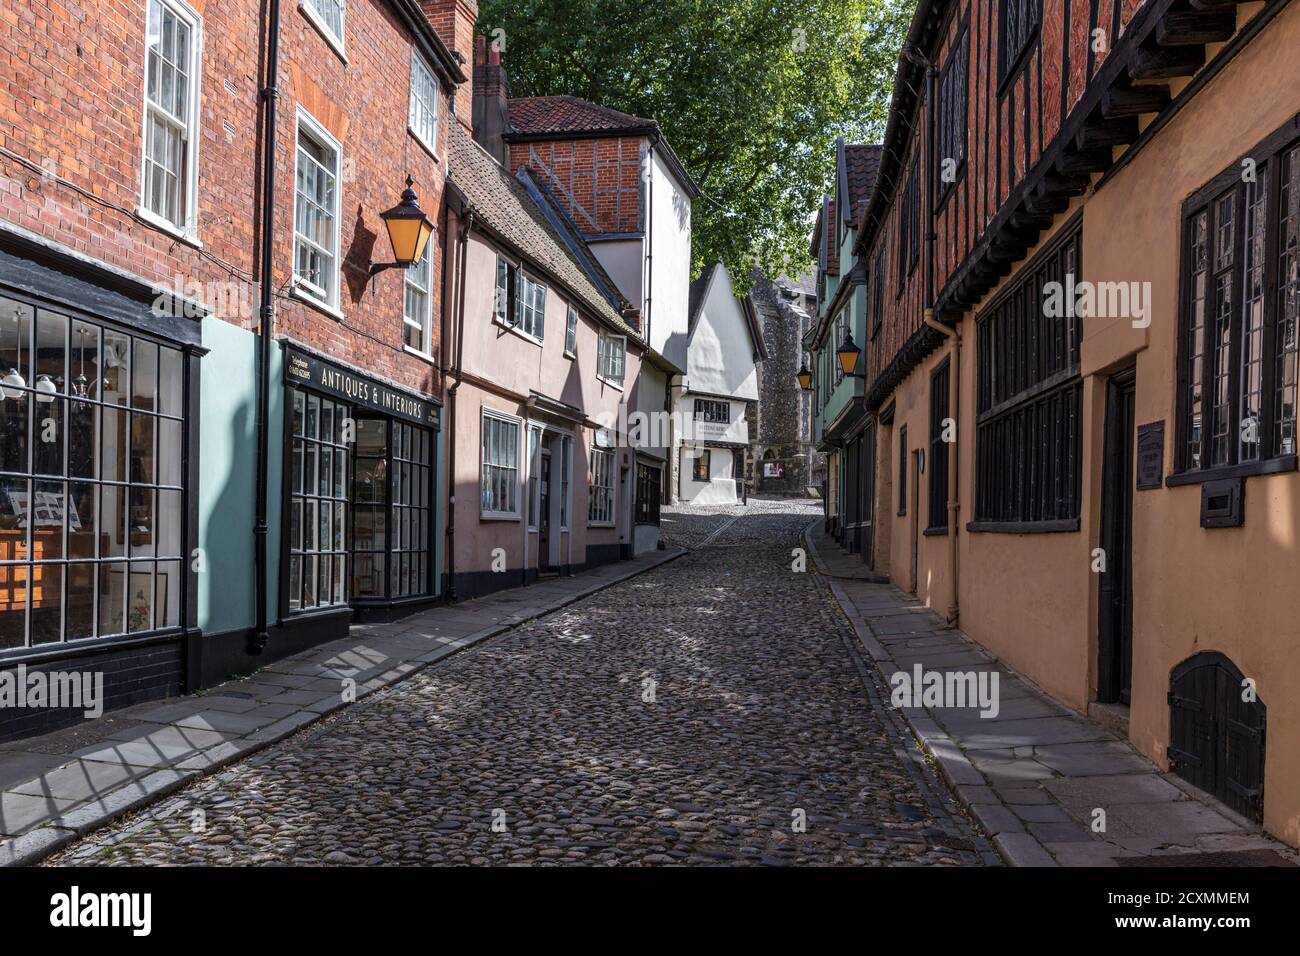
column 571, row 332
column 337, row 41
column 705, row 410
column 1269, row 157
column 703, row 462
column 426, row 324
column 595, row 454
column 954, row 123
column 1029, row 457
column 491, row 414
column 1009, row 60
column 513, row 318
column 188, row 201
column 605, row 350
column 108, row 473
column 940, row 382
column 878, row 294
column 429, row 142
column 328, row 298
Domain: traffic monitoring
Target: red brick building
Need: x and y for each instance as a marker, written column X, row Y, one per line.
column 134, row 242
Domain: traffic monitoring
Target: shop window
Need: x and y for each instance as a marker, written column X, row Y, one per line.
column 318, row 502
column 92, row 424
column 600, row 491
column 649, row 480
column 391, row 510
column 703, row 462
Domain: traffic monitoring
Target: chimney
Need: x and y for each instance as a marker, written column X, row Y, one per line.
column 491, row 96
column 454, row 22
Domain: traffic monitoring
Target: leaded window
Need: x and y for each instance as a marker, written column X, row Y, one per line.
column 711, row 410
column 939, row 394
column 1241, row 303
column 1018, row 27
column 952, row 115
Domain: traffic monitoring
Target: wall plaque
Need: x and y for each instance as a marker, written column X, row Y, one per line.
column 1151, row 456
column 362, row 391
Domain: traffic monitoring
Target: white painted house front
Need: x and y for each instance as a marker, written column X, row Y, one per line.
column 722, row 355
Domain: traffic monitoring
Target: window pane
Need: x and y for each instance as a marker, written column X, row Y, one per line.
column 47, row 603
column 79, row 606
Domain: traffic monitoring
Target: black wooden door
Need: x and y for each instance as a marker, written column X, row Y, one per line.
column 1115, row 644
column 868, row 483
column 1217, row 734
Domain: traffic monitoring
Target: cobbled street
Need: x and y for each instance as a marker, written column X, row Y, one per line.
column 695, row 714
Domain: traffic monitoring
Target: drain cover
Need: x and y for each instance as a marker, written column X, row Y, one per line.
column 1232, row 858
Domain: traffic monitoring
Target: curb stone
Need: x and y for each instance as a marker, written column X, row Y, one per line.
column 961, row 776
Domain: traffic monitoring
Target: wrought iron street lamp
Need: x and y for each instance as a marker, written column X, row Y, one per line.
column 805, row 378
column 848, row 354
column 409, row 230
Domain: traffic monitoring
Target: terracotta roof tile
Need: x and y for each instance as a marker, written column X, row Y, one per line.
column 567, row 114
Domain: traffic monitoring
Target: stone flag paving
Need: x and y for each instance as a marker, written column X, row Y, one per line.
column 1036, row 774
column 714, row 710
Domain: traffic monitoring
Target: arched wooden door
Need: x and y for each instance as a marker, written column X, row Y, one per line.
column 1217, row 734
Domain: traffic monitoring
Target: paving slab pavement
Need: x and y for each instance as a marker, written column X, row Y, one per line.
column 62, row 785
column 1036, row 774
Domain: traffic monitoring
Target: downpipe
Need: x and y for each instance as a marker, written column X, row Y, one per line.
column 466, row 222
column 270, row 98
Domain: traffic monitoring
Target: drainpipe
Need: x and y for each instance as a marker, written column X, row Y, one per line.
column 466, row 224
column 270, row 96
column 648, row 298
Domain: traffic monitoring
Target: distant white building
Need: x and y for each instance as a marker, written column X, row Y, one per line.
column 723, row 350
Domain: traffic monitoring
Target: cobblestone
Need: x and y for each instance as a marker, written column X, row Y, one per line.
column 694, row 715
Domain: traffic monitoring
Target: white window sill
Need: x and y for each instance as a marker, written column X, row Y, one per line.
column 336, row 43
column 420, row 355
column 600, row 524
column 150, row 218
column 302, row 295
column 610, row 382
column 570, row 355
column 518, row 331
column 424, row 143
column 496, row 516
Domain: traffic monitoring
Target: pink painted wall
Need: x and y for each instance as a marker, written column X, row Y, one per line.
column 501, row 367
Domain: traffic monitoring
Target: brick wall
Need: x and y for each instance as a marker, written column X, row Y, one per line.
column 598, row 180
column 71, row 116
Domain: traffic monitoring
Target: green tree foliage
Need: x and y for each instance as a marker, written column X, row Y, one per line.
column 750, row 93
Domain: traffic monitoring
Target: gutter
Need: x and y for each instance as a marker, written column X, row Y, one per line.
column 270, row 96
